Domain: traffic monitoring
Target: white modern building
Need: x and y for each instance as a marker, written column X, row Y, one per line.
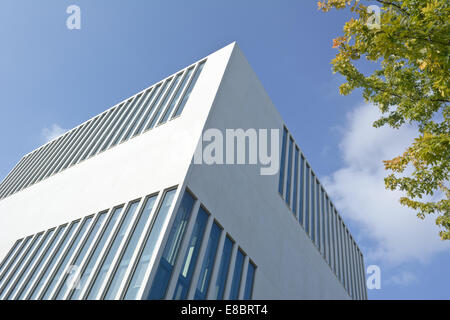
column 119, row 208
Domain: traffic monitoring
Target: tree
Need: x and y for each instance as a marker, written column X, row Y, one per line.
column 408, row 43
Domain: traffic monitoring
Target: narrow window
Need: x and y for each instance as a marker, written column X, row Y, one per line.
column 208, row 263
column 105, row 265
column 282, row 163
column 37, row 255
column 297, row 151
column 64, row 286
column 86, row 272
column 248, row 291
column 170, row 254
column 180, row 108
column 177, row 95
column 307, row 197
column 35, row 295
column 68, row 255
column 289, row 173
column 302, row 189
column 37, row 271
column 237, row 275
column 219, row 288
column 124, row 261
column 190, row 259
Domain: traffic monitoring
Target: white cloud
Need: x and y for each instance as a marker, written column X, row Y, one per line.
column 358, row 191
column 51, row 133
column 404, row 278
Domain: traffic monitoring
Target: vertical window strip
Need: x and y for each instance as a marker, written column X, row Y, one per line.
column 134, row 106
column 19, row 265
column 68, row 154
column 143, row 105
column 82, row 146
column 30, row 266
column 29, row 282
column 125, row 259
column 36, row 291
column 60, row 153
column 164, row 271
column 13, row 261
column 282, row 163
column 48, row 163
column 58, row 272
column 106, row 131
column 165, row 101
column 313, row 208
column 63, row 154
column 15, row 171
column 92, row 258
column 149, row 109
column 308, row 200
column 181, row 88
column 95, row 136
column 188, row 92
column 77, row 144
column 208, row 262
column 9, row 255
column 157, row 103
column 355, row 271
column 329, row 231
column 323, row 219
column 339, row 249
column 237, row 275
column 190, row 259
column 110, row 253
column 115, row 125
column 65, row 285
column 297, row 151
column 33, row 167
column 302, row 190
column 289, row 173
column 248, row 291
column 224, row 268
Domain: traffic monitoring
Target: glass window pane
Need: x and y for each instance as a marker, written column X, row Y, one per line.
column 134, row 107
column 307, row 199
column 289, row 173
column 151, row 103
column 165, row 101
column 297, row 151
column 66, row 283
column 190, row 259
column 177, row 231
column 208, row 263
column 4, row 287
column 37, row 271
column 143, row 105
column 248, row 292
column 302, row 189
column 125, row 260
column 10, row 255
column 112, row 251
column 237, row 275
column 35, row 295
column 177, row 94
column 15, row 258
column 62, row 267
column 282, row 163
column 27, row 269
column 219, row 288
column 84, row 274
column 189, row 90
column 313, row 209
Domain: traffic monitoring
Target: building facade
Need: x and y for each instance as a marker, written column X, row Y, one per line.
column 119, row 208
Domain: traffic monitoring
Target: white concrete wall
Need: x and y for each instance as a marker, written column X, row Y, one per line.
column 249, row 206
column 147, row 163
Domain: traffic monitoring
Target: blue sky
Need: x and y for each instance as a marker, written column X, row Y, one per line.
column 52, row 77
